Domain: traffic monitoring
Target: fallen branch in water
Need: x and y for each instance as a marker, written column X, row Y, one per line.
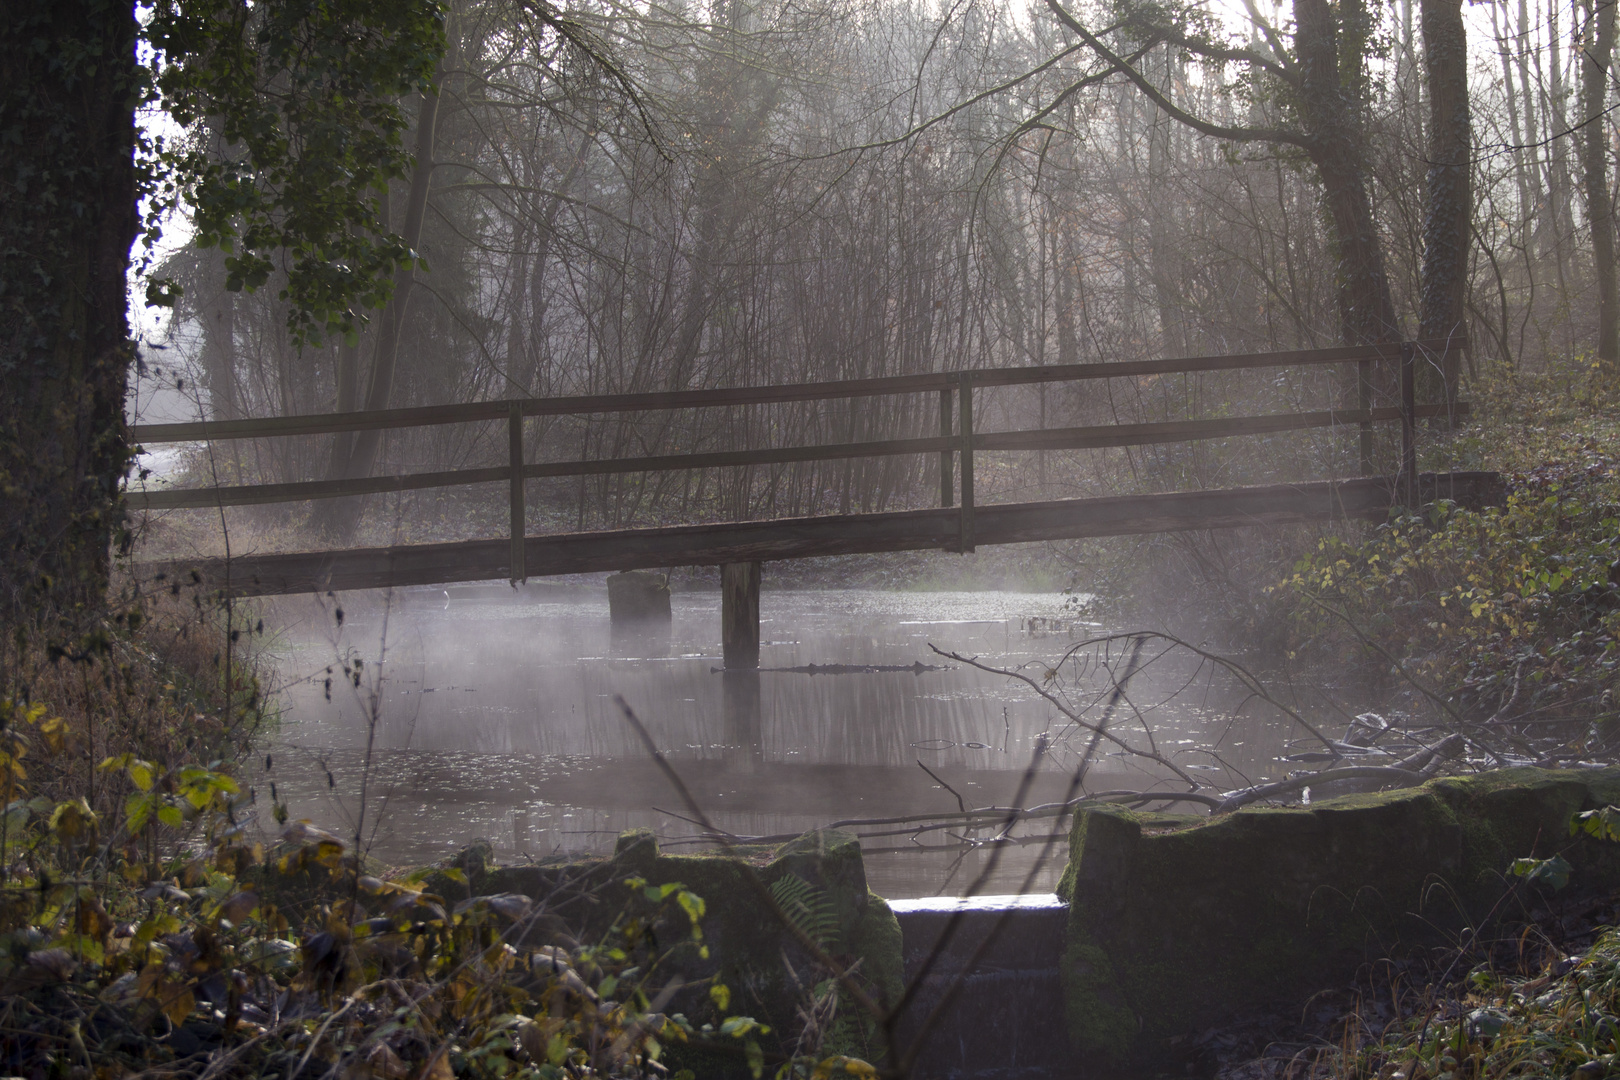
column 1423, row 765
column 914, row 668
column 961, row 803
column 1417, row 684
column 916, row 824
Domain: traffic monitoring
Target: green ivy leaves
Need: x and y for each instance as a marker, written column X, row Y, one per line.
column 293, row 129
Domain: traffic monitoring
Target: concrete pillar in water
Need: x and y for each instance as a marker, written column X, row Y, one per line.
column 638, row 596
column 739, row 615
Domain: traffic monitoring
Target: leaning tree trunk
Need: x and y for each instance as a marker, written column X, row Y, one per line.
column 67, row 220
column 337, row 519
column 1450, row 191
column 1599, row 50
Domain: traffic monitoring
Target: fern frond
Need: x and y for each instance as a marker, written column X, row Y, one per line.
column 808, row 908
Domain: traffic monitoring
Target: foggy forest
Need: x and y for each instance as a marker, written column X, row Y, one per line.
column 750, row 196
column 714, row 540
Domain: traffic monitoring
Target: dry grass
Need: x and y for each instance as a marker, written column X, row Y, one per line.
column 167, row 676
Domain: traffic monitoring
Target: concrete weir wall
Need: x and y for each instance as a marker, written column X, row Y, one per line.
column 1174, row 929
column 1164, row 926
column 1169, row 925
column 996, row 1015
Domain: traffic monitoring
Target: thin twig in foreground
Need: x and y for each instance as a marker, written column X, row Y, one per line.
column 1075, row 780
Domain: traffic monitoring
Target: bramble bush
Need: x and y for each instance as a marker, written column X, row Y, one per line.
column 148, row 938
column 1510, row 611
column 1526, row 1007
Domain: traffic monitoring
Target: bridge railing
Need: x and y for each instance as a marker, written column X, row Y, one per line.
column 956, row 442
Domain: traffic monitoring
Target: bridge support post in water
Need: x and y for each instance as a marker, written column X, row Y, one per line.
column 739, row 615
column 741, row 709
column 739, row 643
column 638, row 598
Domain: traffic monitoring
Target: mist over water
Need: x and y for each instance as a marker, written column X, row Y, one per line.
column 497, row 720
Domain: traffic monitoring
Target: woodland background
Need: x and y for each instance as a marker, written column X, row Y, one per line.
column 836, row 189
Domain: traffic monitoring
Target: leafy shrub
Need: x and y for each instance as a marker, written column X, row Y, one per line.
column 144, row 925
column 1512, row 610
column 148, row 937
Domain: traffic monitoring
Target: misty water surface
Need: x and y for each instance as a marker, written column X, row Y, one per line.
column 497, row 720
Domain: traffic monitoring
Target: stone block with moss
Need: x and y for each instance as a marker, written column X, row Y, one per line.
column 817, row 880
column 1174, row 929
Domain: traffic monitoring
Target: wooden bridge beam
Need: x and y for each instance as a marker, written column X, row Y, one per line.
column 747, row 542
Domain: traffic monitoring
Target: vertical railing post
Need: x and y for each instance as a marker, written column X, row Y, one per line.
column 965, row 399
column 514, row 453
column 1040, row 455
column 947, row 485
column 1409, row 473
column 1364, row 400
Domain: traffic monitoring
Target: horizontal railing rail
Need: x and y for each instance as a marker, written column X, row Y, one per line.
column 430, row 415
column 960, row 444
column 1073, row 438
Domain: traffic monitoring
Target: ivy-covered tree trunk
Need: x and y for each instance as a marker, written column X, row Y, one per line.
column 68, row 89
column 1450, row 203
column 1330, row 44
column 1598, row 50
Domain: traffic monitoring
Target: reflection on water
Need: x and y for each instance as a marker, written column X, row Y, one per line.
column 496, row 719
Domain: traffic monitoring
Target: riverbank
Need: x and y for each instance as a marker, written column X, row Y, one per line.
column 162, row 934
column 1539, row 1001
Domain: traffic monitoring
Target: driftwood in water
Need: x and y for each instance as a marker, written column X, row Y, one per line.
column 1421, row 766
column 914, row 668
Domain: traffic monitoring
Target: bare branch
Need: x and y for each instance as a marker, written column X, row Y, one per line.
column 1197, row 123
column 1400, row 669
column 1250, row 681
column 1421, row 766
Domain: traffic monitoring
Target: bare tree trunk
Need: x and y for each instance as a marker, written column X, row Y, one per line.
column 1526, row 200
column 1450, row 192
column 337, row 518
column 1598, row 48
column 217, row 313
column 1561, row 184
column 1162, row 224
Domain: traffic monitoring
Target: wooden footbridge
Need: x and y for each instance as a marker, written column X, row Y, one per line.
column 958, row 524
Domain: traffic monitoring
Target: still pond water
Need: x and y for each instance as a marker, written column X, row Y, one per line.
column 496, row 719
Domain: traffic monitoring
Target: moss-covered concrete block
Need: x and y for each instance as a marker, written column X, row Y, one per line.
column 1173, row 930
column 818, row 878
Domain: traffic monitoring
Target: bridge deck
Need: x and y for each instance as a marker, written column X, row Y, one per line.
column 799, row 538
